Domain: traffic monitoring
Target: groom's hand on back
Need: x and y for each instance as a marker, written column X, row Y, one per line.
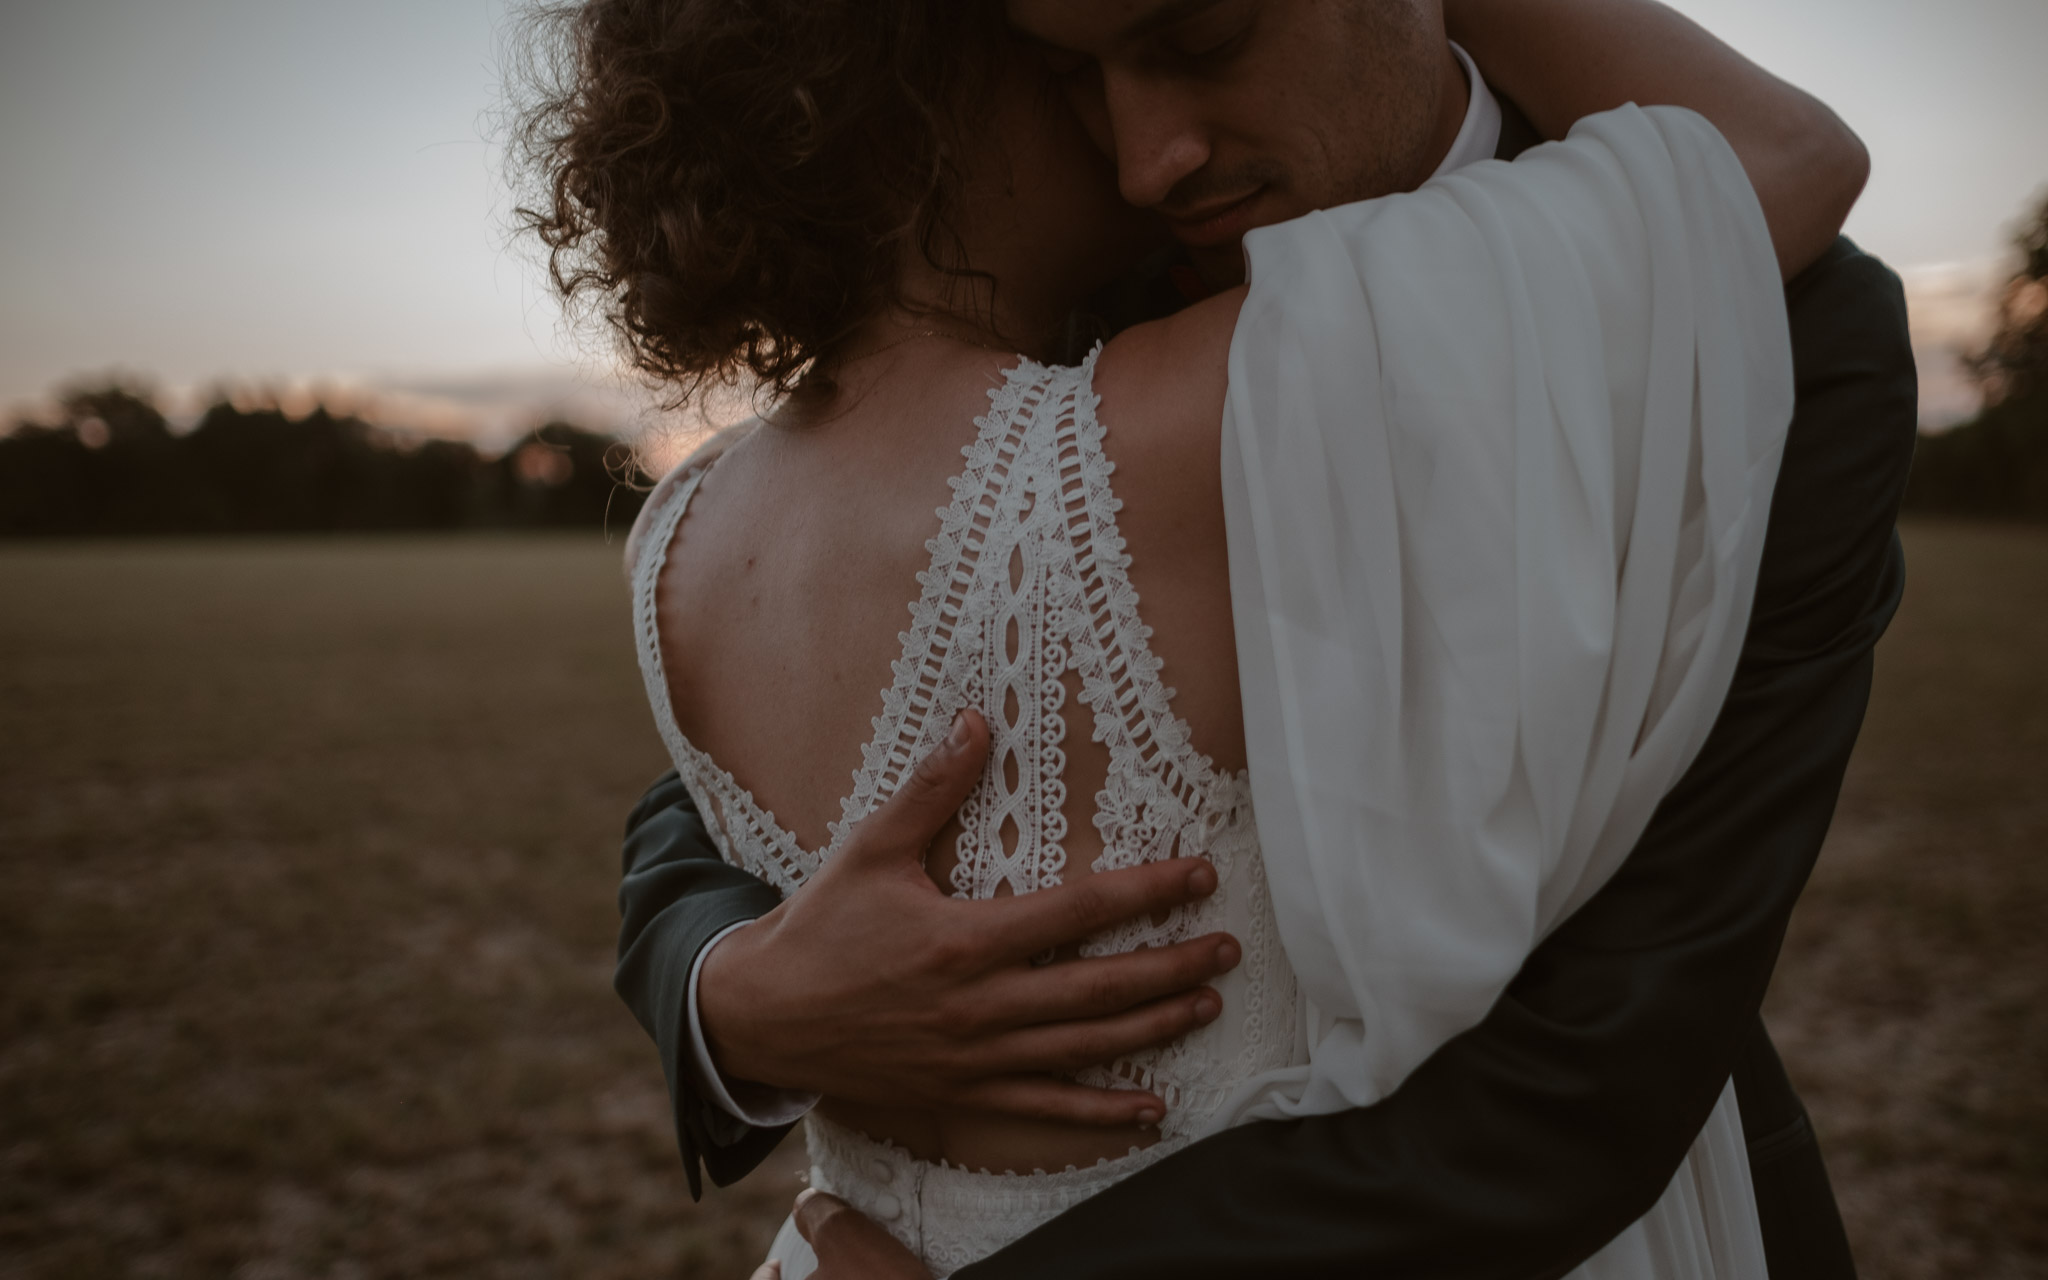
column 872, row 985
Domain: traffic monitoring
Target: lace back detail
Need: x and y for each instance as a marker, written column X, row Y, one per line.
column 977, row 638
column 1027, row 587
column 746, row 834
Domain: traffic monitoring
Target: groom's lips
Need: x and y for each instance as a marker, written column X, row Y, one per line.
column 1216, row 224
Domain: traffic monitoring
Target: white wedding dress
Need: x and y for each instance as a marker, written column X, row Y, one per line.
column 1026, row 590
column 1497, row 461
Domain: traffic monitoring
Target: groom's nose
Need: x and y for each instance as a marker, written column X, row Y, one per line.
column 1158, row 136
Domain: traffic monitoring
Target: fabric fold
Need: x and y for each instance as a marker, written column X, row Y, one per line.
column 1497, row 459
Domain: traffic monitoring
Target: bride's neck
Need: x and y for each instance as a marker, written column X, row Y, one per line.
column 937, row 307
column 915, row 344
column 998, row 303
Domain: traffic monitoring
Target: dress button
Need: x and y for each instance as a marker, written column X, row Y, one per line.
column 884, row 1172
column 888, row 1208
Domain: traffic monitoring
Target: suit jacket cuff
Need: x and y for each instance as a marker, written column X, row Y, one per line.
column 741, row 1104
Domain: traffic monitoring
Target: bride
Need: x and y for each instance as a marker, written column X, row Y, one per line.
column 886, row 216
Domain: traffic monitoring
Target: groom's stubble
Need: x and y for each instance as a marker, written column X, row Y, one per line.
column 1225, row 115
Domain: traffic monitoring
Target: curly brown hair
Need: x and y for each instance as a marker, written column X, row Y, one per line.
column 730, row 184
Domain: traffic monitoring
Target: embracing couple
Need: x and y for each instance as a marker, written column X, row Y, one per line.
column 1392, row 504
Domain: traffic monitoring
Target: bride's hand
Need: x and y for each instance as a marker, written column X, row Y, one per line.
column 849, row 1244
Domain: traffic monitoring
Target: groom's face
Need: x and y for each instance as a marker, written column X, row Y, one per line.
column 1225, row 115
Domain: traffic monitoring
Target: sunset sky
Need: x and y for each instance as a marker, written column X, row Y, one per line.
column 285, row 191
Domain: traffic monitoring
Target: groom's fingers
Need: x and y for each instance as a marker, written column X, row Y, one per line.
column 1026, row 924
column 1099, row 986
column 904, row 825
column 1070, row 1046
column 1064, row 1102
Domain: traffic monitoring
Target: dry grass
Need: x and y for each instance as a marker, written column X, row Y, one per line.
column 308, row 851
column 1912, row 1000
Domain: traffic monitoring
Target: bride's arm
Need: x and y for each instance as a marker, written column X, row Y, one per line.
column 1562, row 60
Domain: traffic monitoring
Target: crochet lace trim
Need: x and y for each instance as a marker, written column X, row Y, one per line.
column 1028, row 583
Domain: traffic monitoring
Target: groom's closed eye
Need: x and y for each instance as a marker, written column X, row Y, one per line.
column 1209, row 36
column 1063, row 65
column 1176, row 36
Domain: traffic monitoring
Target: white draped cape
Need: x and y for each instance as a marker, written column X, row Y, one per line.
column 1498, row 456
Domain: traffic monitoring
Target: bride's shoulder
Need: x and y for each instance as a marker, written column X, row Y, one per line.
column 1161, row 384
column 664, row 491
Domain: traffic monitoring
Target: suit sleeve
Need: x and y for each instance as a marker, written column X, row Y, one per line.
column 676, row 895
column 1524, row 1145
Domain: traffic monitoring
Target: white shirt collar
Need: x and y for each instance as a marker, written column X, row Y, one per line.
column 1479, row 138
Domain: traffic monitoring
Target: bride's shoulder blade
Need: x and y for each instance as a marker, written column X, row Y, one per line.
column 699, row 458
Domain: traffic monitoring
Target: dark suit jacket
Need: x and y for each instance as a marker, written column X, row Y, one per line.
column 1525, row 1144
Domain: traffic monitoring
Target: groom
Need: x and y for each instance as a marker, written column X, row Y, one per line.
column 1528, row 1142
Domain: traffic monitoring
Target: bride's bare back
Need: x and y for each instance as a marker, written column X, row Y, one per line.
column 783, row 602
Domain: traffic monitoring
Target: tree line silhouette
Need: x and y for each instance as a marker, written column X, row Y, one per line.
column 1997, row 464
column 112, row 465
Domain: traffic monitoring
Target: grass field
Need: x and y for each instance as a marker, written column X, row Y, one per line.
column 308, row 853
column 1912, row 1000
